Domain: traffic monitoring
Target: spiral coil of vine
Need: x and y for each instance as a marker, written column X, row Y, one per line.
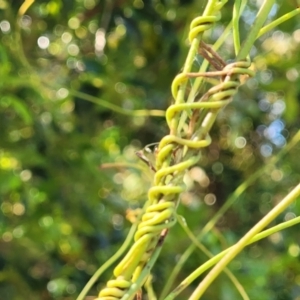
column 203, row 23
column 175, row 154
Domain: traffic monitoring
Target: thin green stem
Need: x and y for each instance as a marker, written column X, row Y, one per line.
column 118, row 109
column 241, row 244
column 278, row 21
column 199, row 80
column 24, row 7
column 194, row 239
column 175, row 128
column 250, row 180
column 208, row 264
column 108, row 263
column 177, row 124
column 144, row 274
column 230, row 201
column 235, row 26
column 258, row 24
column 179, row 265
column 149, row 288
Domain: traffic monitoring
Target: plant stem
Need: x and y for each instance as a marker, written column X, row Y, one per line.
column 230, row 201
column 258, row 24
column 239, row 246
column 116, row 108
column 278, row 21
column 197, row 243
column 235, row 25
column 108, row 263
column 187, row 281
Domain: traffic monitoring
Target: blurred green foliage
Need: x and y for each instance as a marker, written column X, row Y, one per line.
column 62, row 65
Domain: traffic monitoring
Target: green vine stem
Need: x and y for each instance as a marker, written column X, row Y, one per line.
column 176, row 153
column 181, row 220
column 189, row 121
column 132, row 271
column 252, row 178
column 208, row 264
column 244, row 241
column 118, row 109
column 278, row 21
column 235, row 21
column 108, row 263
column 254, row 31
column 230, row 201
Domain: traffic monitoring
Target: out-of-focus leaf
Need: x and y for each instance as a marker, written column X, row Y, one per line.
column 21, row 109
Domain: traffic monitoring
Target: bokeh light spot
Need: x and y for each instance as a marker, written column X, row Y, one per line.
column 276, row 175
column 266, row 150
column 43, row 42
column 73, row 49
column 264, row 104
column 25, row 175
column 5, row 26
column 210, row 199
column 240, row 142
column 276, row 238
column 46, row 118
column 218, row 168
column 18, row 232
column 54, row 49
column 121, row 30
column 7, row 236
column 18, row 209
column 138, row 4
column 171, row 14
column 120, row 87
column 74, row 23
column 289, row 216
column 292, row 74
column 6, row 208
column 117, row 221
column 52, row 286
column 100, row 41
column 278, row 108
column 89, row 4
column 62, row 93
column 66, row 37
column 25, row 21
column 65, row 247
column 294, row 250
column 46, row 221
column 71, row 288
column 139, row 61
column 198, row 175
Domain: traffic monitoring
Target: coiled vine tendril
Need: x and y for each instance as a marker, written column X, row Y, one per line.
column 178, row 151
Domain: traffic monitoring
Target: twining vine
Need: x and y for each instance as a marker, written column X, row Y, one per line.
column 177, row 152
column 189, row 119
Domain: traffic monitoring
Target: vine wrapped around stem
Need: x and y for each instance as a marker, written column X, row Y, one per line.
column 176, row 152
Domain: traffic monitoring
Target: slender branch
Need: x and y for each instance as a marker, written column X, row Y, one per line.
column 118, row 109
column 108, row 263
column 208, row 264
column 278, row 21
column 261, row 17
column 194, row 239
column 230, row 201
column 241, row 244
